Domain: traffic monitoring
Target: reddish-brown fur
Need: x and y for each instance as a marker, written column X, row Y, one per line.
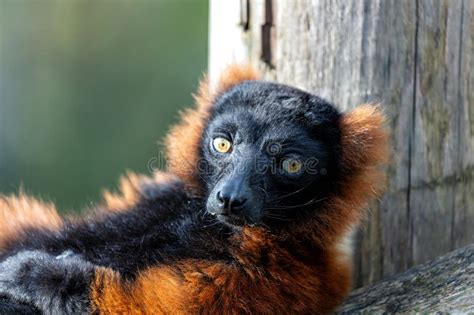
column 131, row 189
column 194, row 286
column 18, row 214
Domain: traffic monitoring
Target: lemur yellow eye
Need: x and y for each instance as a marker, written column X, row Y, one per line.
column 291, row 166
column 222, row 145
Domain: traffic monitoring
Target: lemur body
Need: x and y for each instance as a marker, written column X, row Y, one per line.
column 218, row 236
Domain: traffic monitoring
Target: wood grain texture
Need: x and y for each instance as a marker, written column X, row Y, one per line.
column 435, row 154
column 464, row 190
column 415, row 58
column 445, row 285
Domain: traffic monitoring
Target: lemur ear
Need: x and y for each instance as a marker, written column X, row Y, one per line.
column 184, row 139
column 364, row 138
column 364, row 155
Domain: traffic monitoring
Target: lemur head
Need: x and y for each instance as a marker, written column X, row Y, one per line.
column 273, row 155
column 269, row 154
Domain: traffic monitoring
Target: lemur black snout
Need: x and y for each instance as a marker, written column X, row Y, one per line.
column 231, row 200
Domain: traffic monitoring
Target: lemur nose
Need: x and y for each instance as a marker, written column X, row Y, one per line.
column 230, row 201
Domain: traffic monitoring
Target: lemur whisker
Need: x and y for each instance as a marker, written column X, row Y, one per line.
column 311, row 202
column 290, row 194
column 276, row 217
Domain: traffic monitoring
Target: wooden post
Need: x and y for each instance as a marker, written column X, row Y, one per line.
column 415, row 58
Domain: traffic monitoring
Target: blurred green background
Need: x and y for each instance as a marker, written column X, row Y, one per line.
column 88, row 87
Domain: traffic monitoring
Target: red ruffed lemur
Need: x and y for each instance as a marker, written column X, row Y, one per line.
column 265, row 184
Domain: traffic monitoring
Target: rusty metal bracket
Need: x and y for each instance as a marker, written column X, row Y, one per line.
column 266, row 39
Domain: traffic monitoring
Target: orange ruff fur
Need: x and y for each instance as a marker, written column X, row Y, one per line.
column 131, row 190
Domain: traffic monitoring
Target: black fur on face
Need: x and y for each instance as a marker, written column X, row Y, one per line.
column 269, row 154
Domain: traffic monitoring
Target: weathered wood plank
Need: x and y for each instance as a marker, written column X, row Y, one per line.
column 435, row 154
column 415, row 57
column 464, row 190
column 444, row 285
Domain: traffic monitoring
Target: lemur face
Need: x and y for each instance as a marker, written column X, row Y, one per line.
column 269, row 154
